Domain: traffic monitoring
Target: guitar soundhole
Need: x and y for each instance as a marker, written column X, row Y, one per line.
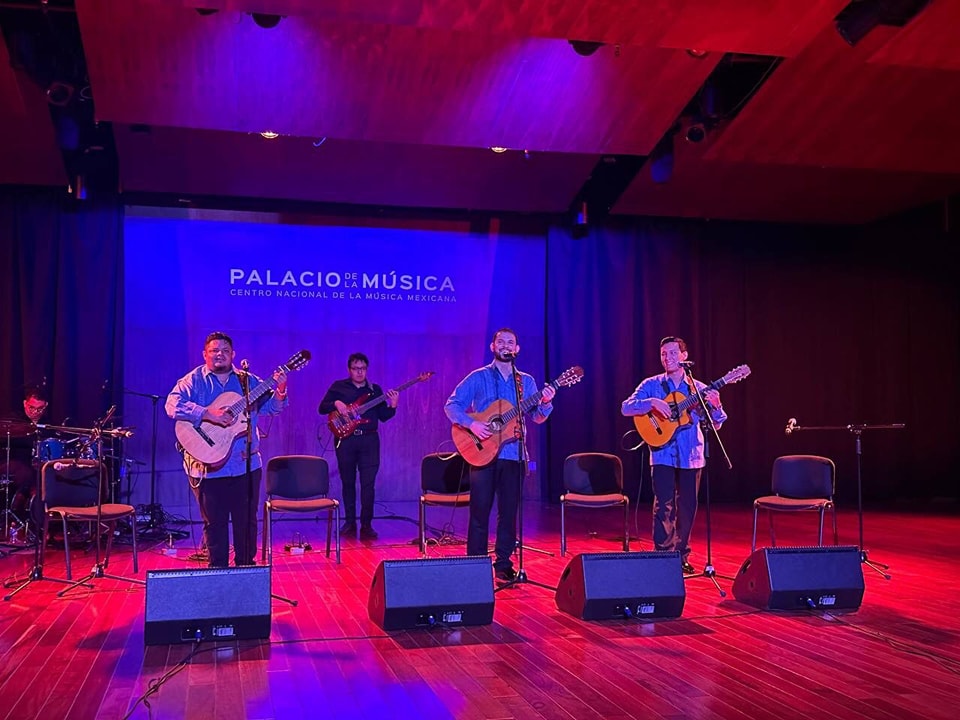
column 496, row 424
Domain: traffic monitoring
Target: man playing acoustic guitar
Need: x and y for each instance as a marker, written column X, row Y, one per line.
column 479, row 390
column 205, row 402
column 676, row 465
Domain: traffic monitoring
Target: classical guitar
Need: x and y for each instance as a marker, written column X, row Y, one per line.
column 343, row 424
column 210, row 443
column 657, row 430
column 501, row 417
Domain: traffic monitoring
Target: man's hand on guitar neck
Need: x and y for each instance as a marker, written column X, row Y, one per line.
column 219, row 416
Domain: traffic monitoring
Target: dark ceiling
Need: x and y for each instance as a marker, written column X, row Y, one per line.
column 398, row 102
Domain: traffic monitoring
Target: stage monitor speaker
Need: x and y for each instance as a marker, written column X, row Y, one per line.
column 206, row 604
column 407, row 594
column 604, row 586
column 801, row 578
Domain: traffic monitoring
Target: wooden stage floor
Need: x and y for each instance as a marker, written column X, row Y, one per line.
column 898, row 656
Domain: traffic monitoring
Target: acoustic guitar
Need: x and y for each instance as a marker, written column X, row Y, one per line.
column 343, row 424
column 657, row 430
column 210, row 443
column 501, row 417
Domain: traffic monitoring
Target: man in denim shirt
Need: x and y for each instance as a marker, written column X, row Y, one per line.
column 676, row 465
column 504, row 476
column 222, row 491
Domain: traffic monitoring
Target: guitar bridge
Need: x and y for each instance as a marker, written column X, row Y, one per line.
column 206, row 438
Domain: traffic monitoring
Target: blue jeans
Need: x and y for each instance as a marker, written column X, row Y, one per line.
column 503, row 479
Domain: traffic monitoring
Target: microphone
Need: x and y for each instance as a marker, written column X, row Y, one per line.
column 508, row 355
column 685, row 363
column 791, row 425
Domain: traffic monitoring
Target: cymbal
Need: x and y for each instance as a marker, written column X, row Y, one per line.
column 17, row 428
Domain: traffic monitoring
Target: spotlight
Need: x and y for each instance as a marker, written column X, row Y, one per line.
column 498, row 149
column 59, row 93
column 269, row 135
column 585, row 47
column 696, row 132
column 266, row 20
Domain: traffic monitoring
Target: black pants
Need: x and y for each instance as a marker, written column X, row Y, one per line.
column 503, row 479
column 221, row 499
column 675, row 493
column 359, row 453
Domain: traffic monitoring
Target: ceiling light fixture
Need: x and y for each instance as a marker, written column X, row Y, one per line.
column 269, row 135
column 266, row 20
column 585, row 47
column 498, row 149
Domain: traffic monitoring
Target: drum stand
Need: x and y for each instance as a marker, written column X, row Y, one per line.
column 7, row 512
column 36, row 573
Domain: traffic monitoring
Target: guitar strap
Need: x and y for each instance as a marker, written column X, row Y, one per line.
column 516, row 428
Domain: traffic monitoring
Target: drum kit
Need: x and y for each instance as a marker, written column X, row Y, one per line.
column 50, row 443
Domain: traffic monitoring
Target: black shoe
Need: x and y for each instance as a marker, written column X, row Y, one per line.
column 368, row 533
column 687, row 568
column 348, row 528
column 506, row 575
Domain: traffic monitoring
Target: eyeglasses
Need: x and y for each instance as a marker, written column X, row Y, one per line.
column 358, row 368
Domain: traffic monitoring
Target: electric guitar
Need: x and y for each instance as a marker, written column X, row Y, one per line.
column 501, row 417
column 343, row 424
column 657, row 430
column 210, row 443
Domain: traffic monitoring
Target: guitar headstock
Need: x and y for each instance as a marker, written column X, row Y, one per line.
column 297, row 361
column 737, row 374
column 570, row 377
column 425, row 376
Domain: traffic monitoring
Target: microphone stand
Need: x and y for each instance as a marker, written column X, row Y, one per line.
column 99, row 567
column 522, row 439
column 248, row 448
column 155, row 526
column 857, row 429
column 707, row 427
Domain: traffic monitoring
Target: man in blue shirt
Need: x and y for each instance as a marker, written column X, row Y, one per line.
column 677, row 464
column 503, row 476
column 221, row 489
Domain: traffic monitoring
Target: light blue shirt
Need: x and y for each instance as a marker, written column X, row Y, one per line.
column 191, row 396
column 486, row 385
column 685, row 449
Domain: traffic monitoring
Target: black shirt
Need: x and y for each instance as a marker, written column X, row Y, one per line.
column 348, row 393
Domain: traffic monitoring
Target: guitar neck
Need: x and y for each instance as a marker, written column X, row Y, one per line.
column 693, row 400
column 383, row 397
column 256, row 393
column 528, row 404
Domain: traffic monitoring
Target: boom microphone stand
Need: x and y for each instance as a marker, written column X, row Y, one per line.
column 522, row 439
column 856, row 429
column 99, row 567
column 155, row 525
column 707, row 427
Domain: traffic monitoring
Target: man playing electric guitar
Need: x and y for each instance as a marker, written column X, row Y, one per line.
column 479, row 390
column 359, row 452
column 676, row 465
column 222, row 489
